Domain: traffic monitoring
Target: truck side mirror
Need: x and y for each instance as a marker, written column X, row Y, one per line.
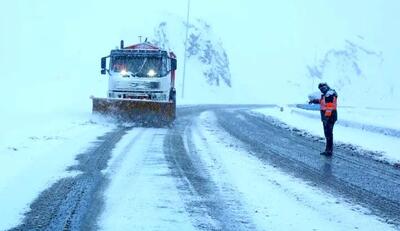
column 103, row 65
column 173, row 64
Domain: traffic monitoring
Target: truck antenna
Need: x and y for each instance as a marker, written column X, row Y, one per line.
column 140, row 38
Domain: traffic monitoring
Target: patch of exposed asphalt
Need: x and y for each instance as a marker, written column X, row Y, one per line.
column 73, row 203
column 359, row 178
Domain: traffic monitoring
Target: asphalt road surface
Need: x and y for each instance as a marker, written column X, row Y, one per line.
column 75, row 203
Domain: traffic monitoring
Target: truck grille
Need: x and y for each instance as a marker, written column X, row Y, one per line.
column 145, row 85
column 138, row 86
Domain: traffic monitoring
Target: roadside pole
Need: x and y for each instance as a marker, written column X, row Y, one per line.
column 185, row 55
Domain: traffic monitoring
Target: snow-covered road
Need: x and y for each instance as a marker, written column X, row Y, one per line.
column 218, row 168
column 196, row 176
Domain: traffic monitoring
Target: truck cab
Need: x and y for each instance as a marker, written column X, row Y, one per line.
column 141, row 72
column 141, row 85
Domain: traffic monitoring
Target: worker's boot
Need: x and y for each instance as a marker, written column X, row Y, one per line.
column 326, row 153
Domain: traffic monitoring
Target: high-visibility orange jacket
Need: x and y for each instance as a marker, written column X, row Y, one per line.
column 328, row 108
column 328, row 105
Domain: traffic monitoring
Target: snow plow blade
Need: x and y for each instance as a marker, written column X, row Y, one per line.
column 158, row 113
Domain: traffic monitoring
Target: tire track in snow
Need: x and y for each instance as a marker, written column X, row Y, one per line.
column 73, row 203
column 276, row 200
column 358, row 178
column 205, row 200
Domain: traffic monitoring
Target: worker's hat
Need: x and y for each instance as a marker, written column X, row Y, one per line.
column 320, row 85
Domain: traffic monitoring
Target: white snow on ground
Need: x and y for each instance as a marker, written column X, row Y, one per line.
column 275, row 200
column 142, row 194
column 36, row 155
column 362, row 127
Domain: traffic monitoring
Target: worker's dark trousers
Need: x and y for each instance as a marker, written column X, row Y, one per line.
column 328, row 131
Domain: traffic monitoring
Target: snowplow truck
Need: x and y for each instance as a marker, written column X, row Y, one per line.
column 141, row 85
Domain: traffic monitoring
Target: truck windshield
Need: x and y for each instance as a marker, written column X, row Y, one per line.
column 140, row 66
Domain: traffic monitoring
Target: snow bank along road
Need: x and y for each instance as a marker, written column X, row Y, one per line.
column 218, row 168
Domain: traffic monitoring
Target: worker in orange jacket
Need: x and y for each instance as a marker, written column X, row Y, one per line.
column 328, row 109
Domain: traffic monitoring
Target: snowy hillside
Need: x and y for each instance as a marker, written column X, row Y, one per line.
column 203, row 47
column 355, row 69
column 207, row 60
column 267, row 52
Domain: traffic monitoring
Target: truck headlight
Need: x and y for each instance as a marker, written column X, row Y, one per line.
column 124, row 73
column 151, row 73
